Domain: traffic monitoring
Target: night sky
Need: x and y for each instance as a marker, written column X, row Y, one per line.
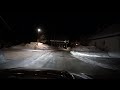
column 64, row 25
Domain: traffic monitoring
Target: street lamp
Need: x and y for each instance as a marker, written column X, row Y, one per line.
column 39, row 30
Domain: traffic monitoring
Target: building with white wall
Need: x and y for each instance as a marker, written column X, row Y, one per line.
column 108, row 40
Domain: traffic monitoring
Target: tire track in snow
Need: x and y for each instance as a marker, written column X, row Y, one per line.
column 87, row 60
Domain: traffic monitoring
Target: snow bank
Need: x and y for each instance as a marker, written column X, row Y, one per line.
column 35, row 45
column 32, row 45
column 87, row 54
column 114, row 54
column 89, row 51
column 2, row 58
column 85, row 48
column 90, row 54
column 42, row 46
column 89, row 60
column 21, row 46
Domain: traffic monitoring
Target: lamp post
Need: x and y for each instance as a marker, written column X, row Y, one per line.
column 39, row 30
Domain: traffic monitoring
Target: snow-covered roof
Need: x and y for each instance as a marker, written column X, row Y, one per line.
column 110, row 31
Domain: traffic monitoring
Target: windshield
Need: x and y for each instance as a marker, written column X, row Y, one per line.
column 81, row 43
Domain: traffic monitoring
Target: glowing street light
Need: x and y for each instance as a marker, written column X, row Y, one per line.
column 39, row 30
column 76, row 44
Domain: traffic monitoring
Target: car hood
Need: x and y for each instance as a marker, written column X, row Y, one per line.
column 39, row 74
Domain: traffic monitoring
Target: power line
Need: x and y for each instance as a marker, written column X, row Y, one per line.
column 5, row 23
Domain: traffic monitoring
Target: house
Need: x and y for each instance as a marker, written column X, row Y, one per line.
column 108, row 40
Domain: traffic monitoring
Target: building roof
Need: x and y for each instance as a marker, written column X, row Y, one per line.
column 110, row 31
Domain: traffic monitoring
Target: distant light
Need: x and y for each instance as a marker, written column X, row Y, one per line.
column 40, row 44
column 19, row 73
column 76, row 44
column 39, row 30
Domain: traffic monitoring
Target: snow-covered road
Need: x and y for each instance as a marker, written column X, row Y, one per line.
column 58, row 60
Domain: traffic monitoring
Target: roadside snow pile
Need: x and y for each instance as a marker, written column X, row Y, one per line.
column 42, row 46
column 90, row 54
column 32, row 45
column 83, row 57
column 35, row 45
column 89, row 51
column 2, row 58
column 21, row 46
column 85, row 48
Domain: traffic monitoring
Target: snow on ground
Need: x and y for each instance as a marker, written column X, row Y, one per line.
column 39, row 61
column 92, row 55
column 89, row 51
column 35, row 45
column 42, row 46
column 85, row 48
column 17, row 54
column 35, row 61
column 57, row 60
column 32, row 45
column 90, row 61
column 23, row 51
column 2, row 58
